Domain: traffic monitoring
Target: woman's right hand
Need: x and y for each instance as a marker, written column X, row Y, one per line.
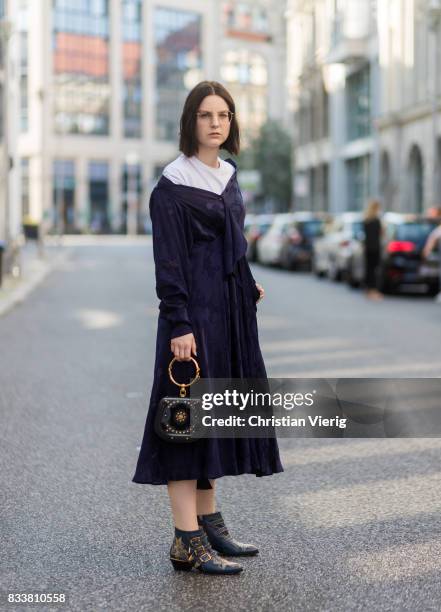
column 183, row 346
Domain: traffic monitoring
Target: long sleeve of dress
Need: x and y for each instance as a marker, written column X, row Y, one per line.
column 172, row 243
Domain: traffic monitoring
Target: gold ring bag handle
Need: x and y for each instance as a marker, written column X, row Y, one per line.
column 183, row 386
column 177, row 417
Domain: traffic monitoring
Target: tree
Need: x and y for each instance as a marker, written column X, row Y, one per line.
column 272, row 158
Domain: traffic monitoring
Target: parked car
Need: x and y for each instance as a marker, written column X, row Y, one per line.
column 269, row 246
column 248, row 221
column 332, row 251
column 296, row 250
column 402, row 267
column 258, row 228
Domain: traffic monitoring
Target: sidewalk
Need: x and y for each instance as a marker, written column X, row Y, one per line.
column 34, row 267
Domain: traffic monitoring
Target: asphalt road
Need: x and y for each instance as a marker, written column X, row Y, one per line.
column 351, row 524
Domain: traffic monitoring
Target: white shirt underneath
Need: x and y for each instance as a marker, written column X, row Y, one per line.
column 194, row 173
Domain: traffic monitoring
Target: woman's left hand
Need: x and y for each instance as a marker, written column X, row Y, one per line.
column 261, row 291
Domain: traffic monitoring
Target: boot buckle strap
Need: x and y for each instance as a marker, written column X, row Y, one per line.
column 222, row 530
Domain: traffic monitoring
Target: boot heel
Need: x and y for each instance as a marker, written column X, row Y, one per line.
column 181, row 565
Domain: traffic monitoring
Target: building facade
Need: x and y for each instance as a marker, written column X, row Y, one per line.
column 332, row 58
column 365, row 95
column 102, row 86
column 10, row 211
column 253, row 61
column 409, row 35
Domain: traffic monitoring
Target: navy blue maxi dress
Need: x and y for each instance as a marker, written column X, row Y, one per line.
column 205, row 286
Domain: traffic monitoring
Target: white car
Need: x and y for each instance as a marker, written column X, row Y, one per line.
column 248, row 221
column 270, row 245
column 333, row 251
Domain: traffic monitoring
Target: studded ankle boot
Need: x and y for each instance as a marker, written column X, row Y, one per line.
column 192, row 550
column 220, row 538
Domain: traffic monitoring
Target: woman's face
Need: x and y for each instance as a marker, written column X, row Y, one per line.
column 212, row 123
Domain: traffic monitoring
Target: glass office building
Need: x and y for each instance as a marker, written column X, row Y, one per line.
column 80, row 47
column 132, row 67
column 104, row 84
column 178, row 64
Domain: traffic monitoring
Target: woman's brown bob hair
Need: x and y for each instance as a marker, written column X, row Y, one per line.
column 188, row 143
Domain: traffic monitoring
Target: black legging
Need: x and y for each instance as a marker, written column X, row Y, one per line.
column 372, row 259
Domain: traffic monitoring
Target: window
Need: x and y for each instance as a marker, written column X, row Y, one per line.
column 2, row 14
column 64, row 194
column 132, row 68
column 358, row 104
column 80, row 45
column 1, row 111
column 24, row 163
column 178, row 66
column 99, row 196
column 245, row 17
column 131, row 188
column 23, row 65
column 246, row 76
column 358, row 181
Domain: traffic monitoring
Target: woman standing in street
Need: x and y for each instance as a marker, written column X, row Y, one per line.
column 207, row 309
column 372, row 248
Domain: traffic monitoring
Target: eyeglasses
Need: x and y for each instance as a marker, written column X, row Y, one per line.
column 207, row 117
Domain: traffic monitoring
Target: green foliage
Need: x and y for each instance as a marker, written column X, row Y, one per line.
column 270, row 154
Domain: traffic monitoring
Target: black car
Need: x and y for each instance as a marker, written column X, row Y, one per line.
column 297, row 247
column 403, row 267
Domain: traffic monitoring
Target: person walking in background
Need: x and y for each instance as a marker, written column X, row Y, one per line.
column 433, row 238
column 372, row 248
